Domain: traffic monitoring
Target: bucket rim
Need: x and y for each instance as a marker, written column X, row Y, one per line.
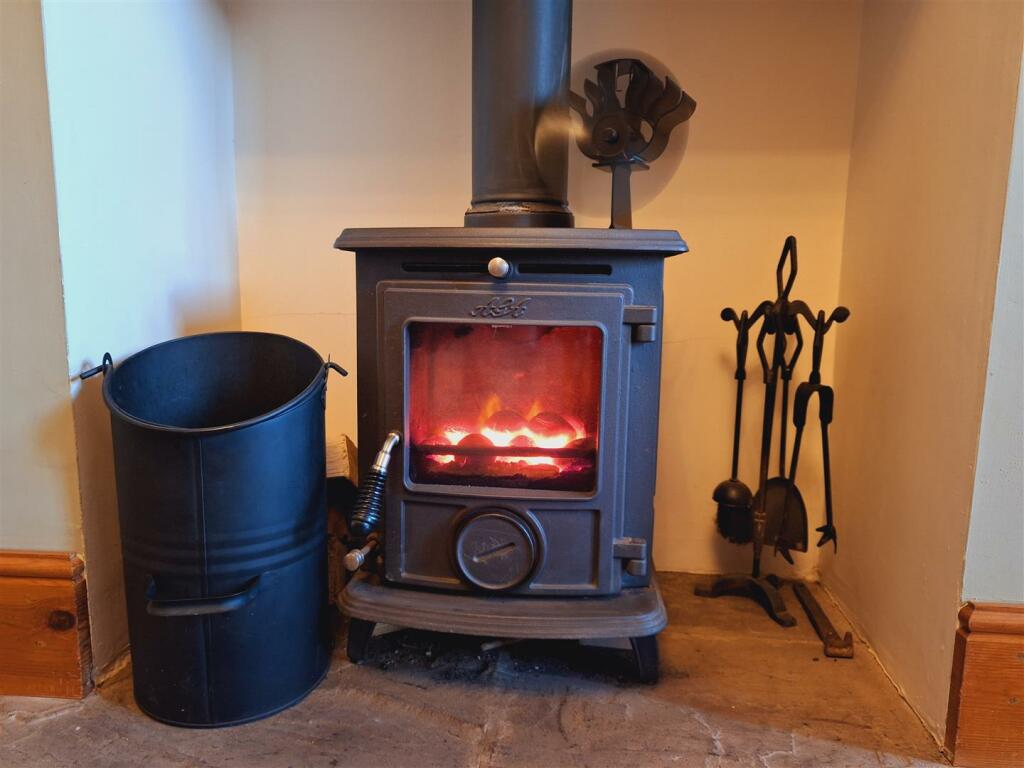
column 116, row 410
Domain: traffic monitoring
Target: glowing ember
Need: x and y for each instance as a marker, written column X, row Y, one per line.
column 505, row 421
column 442, row 440
column 504, row 405
column 475, row 464
column 503, row 428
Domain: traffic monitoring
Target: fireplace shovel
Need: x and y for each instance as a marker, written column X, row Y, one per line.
column 785, row 511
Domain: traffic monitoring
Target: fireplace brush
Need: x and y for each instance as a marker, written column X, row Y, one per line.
column 776, row 515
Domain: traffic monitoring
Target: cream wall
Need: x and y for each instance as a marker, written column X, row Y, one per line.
column 346, row 115
column 142, row 126
column 994, row 567
column 39, row 506
column 358, row 114
column 928, row 171
column 766, row 156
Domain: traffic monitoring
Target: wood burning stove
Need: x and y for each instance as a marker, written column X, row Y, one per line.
column 520, row 365
column 528, row 406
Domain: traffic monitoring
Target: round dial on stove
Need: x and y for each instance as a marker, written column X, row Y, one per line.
column 495, row 549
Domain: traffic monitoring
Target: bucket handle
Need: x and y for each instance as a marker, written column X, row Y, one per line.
column 108, row 363
column 330, row 365
column 104, row 367
column 199, row 606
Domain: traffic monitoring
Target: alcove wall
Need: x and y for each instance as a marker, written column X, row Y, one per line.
column 141, row 121
column 924, row 218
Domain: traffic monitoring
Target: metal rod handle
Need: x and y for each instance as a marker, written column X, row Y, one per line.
column 355, row 558
column 199, row 606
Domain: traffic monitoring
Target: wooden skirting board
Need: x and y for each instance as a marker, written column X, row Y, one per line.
column 44, row 625
column 985, row 720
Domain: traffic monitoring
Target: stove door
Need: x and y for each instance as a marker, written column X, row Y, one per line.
column 503, row 405
column 510, row 399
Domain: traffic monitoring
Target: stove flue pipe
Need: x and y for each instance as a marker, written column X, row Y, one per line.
column 521, row 56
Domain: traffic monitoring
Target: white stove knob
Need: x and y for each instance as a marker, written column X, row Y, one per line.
column 498, row 267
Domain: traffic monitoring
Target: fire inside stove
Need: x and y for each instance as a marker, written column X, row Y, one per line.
column 508, row 406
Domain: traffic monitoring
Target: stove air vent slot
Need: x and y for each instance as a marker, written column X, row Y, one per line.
column 446, row 266
column 526, row 268
column 549, row 268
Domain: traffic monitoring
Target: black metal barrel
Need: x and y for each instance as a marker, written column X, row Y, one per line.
column 219, row 454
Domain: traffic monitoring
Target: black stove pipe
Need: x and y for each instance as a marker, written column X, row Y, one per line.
column 521, row 55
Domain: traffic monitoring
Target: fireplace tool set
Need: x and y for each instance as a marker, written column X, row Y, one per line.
column 776, row 514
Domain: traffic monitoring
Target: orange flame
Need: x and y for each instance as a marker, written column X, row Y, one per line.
column 491, row 406
column 534, row 410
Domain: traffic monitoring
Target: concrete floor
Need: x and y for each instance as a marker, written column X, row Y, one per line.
column 736, row 690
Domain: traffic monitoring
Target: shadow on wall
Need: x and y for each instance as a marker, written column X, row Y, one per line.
column 107, row 618
column 98, row 488
column 715, row 425
column 55, row 445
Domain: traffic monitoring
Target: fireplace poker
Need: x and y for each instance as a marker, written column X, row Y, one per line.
column 827, row 396
column 828, row 530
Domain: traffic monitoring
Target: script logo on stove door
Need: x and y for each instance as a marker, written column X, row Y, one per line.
column 502, row 306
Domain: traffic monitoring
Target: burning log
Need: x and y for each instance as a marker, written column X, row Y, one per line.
column 539, row 471
column 477, row 462
column 506, row 421
column 508, row 445
column 548, row 424
column 491, row 450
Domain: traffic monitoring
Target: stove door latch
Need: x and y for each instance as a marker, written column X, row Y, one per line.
column 633, row 553
column 644, row 320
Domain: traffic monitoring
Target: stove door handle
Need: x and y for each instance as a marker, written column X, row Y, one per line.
column 199, row 606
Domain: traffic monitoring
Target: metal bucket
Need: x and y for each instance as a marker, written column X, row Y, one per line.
column 219, row 455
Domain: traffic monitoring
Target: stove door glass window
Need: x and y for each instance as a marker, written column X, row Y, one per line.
column 507, row 406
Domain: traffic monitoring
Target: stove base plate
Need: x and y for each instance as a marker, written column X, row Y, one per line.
column 632, row 613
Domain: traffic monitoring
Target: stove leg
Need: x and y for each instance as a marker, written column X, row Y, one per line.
column 764, row 591
column 359, row 633
column 645, row 649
